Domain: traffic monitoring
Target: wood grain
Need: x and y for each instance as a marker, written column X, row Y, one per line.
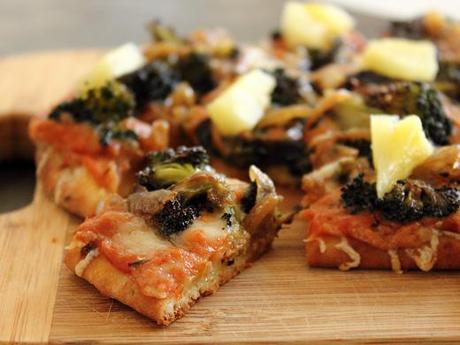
column 30, row 85
column 278, row 300
column 31, row 247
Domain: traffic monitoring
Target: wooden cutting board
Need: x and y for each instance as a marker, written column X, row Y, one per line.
column 278, row 300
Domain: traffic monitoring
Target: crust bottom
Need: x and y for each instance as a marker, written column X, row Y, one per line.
column 323, row 252
column 115, row 284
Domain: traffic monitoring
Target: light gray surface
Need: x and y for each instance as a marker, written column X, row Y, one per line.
column 30, row 25
column 48, row 24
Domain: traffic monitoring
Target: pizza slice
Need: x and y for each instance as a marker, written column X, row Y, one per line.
column 403, row 214
column 187, row 231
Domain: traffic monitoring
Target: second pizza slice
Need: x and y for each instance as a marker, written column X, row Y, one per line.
column 187, row 231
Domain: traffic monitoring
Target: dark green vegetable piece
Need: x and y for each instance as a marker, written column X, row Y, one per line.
column 152, row 82
column 286, row 91
column 109, row 103
column 290, row 151
column 176, row 216
column 163, row 33
column 408, row 201
column 320, row 58
column 165, row 168
column 406, row 98
column 110, row 132
column 195, row 70
column 359, row 195
column 412, row 29
column 249, row 199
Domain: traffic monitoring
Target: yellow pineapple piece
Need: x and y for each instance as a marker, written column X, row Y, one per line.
column 117, row 62
column 313, row 25
column 401, row 59
column 398, row 146
column 243, row 103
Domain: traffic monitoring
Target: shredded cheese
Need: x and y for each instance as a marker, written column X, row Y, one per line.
column 395, row 262
column 81, row 266
column 451, row 234
column 321, row 243
column 344, row 246
column 426, row 256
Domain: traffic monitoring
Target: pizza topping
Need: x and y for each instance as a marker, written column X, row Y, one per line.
column 313, row 25
column 239, row 107
column 425, row 257
column 408, row 201
column 110, row 102
column 394, row 260
column 152, row 82
column 401, row 59
column 405, row 98
column 344, row 246
column 81, row 266
column 165, row 168
column 114, row 64
column 286, row 91
column 398, row 146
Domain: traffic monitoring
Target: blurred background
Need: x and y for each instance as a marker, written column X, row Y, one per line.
column 36, row 25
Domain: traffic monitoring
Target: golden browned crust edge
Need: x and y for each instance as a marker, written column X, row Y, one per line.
column 115, row 284
column 71, row 188
column 447, row 255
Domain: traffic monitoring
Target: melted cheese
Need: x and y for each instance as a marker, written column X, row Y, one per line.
column 425, row 257
column 81, row 266
column 344, row 246
column 451, row 234
column 395, row 262
column 138, row 238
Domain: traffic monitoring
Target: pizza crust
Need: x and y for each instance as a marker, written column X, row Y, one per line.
column 71, row 187
column 442, row 253
column 115, row 284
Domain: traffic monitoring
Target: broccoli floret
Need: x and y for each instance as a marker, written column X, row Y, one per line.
column 153, row 82
column 406, row 98
column 320, row 58
column 163, row 33
column 165, row 168
column 194, row 69
column 412, row 29
column 408, row 201
column 359, row 195
column 286, row 90
column 109, row 103
column 176, row 215
column 448, row 79
column 109, row 132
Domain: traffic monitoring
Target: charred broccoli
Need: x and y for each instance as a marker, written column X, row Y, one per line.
column 320, row 58
column 406, row 98
column 412, row 29
column 359, row 195
column 165, row 168
column 154, row 81
column 162, row 33
column 176, row 215
column 448, row 79
column 195, row 70
column 286, row 90
column 408, row 201
column 109, row 103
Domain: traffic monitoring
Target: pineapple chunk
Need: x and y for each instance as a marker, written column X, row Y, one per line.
column 114, row 64
column 398, row 146
column 401, row 59
column 313, row 25
column 242, row 104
